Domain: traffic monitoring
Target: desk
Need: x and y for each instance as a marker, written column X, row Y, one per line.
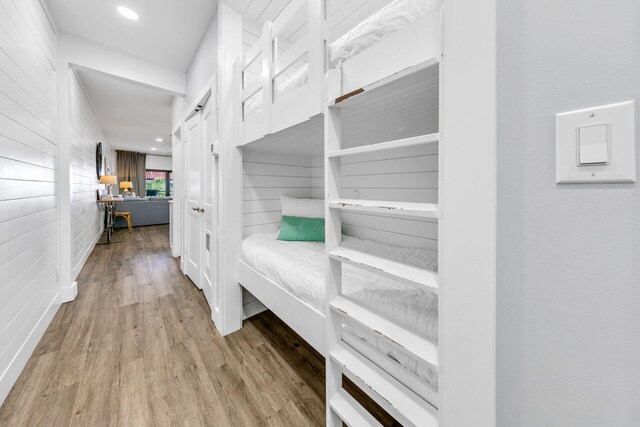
column 109, row 213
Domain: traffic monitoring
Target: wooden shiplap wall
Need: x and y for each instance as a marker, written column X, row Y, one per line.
column 28, row 169
column 266, row 176
column 85, row 133
column 409, row 175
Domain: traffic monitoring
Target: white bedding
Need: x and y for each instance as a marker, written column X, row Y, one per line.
column 393, row 17
column 299, row 268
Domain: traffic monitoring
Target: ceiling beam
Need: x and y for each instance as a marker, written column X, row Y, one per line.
column 87, row 55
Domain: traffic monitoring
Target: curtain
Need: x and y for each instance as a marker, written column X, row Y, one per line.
column 131, row 167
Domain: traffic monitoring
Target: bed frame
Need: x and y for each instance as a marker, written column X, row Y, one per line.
column 300, row 104
column 303, row 318
column 392, row 55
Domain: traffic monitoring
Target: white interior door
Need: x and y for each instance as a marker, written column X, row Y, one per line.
column 210, row 203
column 194, row 235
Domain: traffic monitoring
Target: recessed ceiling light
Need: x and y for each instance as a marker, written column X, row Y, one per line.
column 153, row 148
column 158, row 139
column 128, row 13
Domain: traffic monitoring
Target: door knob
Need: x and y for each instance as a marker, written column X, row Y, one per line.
column 196, row 209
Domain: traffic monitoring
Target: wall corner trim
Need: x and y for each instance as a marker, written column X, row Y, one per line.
column 68, row 293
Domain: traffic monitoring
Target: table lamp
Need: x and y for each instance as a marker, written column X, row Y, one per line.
column 108, row 180
column 126, row 185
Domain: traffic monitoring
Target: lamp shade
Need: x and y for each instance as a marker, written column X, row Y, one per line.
column 126, row 184
column 108, row 179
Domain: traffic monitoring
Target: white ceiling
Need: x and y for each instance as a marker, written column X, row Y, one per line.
column 168, row 32
column 131, row 116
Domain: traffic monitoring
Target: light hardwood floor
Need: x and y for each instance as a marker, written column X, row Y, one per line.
column 137, row 347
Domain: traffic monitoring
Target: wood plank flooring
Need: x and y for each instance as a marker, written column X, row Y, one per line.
column 137, row 347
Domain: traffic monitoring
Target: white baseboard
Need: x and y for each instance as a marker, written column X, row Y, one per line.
column 69, row 293
column 85, row 256
column 11, row 374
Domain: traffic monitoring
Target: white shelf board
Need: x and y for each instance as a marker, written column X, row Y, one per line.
column 388, row 145
column 404, row 273
column 419, row 346
column 408, row 76
column 305, row 139
column 420, row 210
column 401, row 403
column 350, row 411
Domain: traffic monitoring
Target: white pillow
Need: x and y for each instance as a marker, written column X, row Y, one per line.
column 305, row 208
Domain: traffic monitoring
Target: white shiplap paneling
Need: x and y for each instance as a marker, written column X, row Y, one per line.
column 267, row 176
column 28, row 162
column 85, row 133
column 406, row 175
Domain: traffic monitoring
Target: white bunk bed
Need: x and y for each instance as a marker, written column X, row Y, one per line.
column 403, row 35
column 280, row 96
column 377, row 350
column 381, row 72
column 289, row 89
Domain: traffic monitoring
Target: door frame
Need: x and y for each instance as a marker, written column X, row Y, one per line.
column 210, row 220
column 187, row 213
column 179, row 152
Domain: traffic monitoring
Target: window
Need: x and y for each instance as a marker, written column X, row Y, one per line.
column 158, row 182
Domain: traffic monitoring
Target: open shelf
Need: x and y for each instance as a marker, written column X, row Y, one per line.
column 389, row 145
column 395, row 82
column 419, row 210
column 350, row 411
column 403, row 404
column 304, row 139
column 404, row 273
column 419, row 346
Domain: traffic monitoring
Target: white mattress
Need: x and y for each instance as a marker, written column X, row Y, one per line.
column 393, row 17
column 299, row 267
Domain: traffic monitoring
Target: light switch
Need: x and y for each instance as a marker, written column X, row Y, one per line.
column 593, row 147
column 596, row 144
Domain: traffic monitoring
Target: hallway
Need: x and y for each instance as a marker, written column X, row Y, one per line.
column 137, row 347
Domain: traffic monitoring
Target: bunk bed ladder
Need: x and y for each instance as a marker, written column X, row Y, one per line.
column 394, row 397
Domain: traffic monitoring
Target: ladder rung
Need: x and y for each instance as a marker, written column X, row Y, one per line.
column 421, row 210
column 350, row 411
column 404, row 273
column 401, row 403
column 420, row 347
column 389, row 145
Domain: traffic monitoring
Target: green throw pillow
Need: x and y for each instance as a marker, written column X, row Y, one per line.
column 295, row 228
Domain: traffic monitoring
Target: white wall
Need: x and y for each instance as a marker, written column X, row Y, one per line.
column 159, row 162
column 28, row 175
column 93, row 56
column 205, row 61
column 178, row 108
column 84, row 135
column 568, row 271
column 230, row 39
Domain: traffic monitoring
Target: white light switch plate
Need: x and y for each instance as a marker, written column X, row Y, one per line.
column 620, row 124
